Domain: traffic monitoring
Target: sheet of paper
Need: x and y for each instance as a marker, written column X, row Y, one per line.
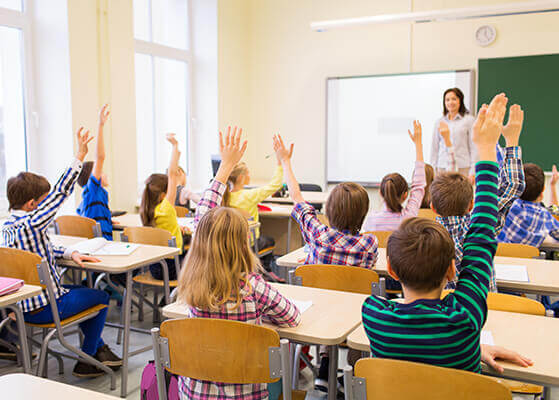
column 487, row 338
column 302, row 305
column 186, row 221
column 103, row 247
column 508, row 272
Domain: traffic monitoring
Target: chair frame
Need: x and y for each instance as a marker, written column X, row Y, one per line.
column 279, row 363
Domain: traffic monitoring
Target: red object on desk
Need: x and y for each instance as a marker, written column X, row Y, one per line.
column 262, row 207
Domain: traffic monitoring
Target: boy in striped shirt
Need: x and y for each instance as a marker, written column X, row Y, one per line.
column 420, row 255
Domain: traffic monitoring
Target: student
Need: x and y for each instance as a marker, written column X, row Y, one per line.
column 157, row 210
column 452, row 193
column 220, row 278
column 95, row 198
column 33, row 206
column 420, row 255
column 184, row 196
column 394, row 191
column 528, row 221
column 554, row 206
column 429, row 176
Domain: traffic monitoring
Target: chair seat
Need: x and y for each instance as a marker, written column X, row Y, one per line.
column 147, row 279
column 73, row 318
column 295, row 395
column 266, row 250
column 521, row 387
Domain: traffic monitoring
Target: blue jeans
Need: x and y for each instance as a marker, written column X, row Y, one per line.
column 78, row 299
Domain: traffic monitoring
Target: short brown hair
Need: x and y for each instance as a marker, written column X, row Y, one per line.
column 420, row 252
column 24, row 187
column 87, row 167
column 347, row 206
column 535, row 182
column 392, row 188
column 451, row 194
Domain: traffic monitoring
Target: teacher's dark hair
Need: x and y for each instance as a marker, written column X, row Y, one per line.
column 462, row 110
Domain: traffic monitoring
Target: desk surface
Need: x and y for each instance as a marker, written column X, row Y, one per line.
column 311, row 197
column 23, row 293
column 529, row 335
column 143, row 255
column 332, row 316
column 278, row 210
column 134, row 220
column 543, row 274
column 25, row 386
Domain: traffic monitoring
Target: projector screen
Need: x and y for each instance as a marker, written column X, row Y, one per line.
column 368, row 118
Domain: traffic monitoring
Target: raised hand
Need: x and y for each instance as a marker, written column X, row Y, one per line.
column 416, row 138
column 83, row 141
column 230, row 147
column 554, row 176
column 444, row 131
column 104, row 114
column 282, row 153
column 488, row 127
column 171, row 138
column 511, row 131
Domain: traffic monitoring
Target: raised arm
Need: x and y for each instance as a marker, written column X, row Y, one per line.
column 553, row 186
column 284, row 155
column 418, row 181
column 444, row 130
column 173, row 172
column 100, row 155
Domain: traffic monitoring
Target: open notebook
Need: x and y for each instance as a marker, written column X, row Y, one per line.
column 104, row 247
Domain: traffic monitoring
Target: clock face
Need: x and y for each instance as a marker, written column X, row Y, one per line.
column 485, row 35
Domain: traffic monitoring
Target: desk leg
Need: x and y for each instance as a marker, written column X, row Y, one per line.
column 126, row 340
column 288, row 235
column 547, row 392
column 22, row 338
column 333, row 373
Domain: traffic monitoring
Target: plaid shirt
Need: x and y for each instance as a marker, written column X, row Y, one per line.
column 511, row 186
column 28, row 231
column 330, row 246
column 529, row 223
column 260, row 303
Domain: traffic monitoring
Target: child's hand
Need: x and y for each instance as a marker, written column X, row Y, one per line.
column 104, row 114
column 171, row 138
column 416, row 138
column 231, row 148
column 554, row 176
column 511, row 131
column 282, row 154
column 488, row 127
column 81, row 258
column 83, row 141
column 490, row 355
column 444, row 131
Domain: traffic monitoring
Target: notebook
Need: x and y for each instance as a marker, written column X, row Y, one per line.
column 9, row 285
column 104, row 247
column 507, row 272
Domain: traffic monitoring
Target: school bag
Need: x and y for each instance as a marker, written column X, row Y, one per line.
column 148, row 384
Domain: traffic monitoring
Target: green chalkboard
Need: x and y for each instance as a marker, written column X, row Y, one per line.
column 532, row 82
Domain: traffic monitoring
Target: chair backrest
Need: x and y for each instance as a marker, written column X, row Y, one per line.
column 382, row 237
column 20, row 264
column 556, row 217
column 147, row 235
column 510, row 303
column 216, row 350
column 182, row 211
column 309, row 187
column 426, row 213
column 517, row 250
column 387, row 379
column 337, row 277
column 75, row 225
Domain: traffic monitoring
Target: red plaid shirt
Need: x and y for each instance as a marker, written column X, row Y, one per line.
column 330, row 246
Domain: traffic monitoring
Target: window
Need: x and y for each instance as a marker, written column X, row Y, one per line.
column 162, row 66
column 13, row 149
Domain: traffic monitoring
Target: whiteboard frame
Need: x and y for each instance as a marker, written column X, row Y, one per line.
column 472, row 107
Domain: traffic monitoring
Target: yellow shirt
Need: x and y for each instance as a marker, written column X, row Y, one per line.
column 248, row 199
column 165, row 217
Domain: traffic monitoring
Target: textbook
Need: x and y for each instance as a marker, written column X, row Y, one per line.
column 103, row 247
column 9, row 285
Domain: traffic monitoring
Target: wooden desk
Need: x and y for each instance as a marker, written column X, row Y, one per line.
column 543, row 274
column 332, row 316
column 278, row 224
column 143, row 255
column 10, row 302
column 529, row 335
column 25, row 387
column 311, row 197
column 134, row 220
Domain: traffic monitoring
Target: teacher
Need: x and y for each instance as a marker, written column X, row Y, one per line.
column 453, row 135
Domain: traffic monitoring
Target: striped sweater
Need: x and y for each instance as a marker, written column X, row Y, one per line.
column 444, row 332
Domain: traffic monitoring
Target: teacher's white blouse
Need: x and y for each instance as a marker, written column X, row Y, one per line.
column 461, row 138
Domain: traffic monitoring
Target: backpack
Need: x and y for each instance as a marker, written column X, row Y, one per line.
column 148, row 385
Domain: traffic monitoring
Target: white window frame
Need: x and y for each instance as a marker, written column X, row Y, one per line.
column 155, row 49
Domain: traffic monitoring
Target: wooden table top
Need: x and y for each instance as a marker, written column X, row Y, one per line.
column 529, row 335
column 311, row 197
column 25, row 292
column 332, row 316
column 143, row 255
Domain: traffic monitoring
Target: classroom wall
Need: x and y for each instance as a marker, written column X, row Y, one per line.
column 274, row 80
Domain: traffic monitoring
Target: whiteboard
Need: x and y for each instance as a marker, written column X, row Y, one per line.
column 368, row 118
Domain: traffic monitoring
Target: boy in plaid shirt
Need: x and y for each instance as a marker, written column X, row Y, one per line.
column 452, row 193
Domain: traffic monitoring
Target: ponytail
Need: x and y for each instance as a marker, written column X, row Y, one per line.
column 392, row 187
column 156, row 185
column 240, row 169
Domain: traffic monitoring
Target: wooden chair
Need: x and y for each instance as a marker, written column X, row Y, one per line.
column 32, row 270
column 426, row 213
column 182, row 211
column 517, row 250
column 387, row 379
column 382, row 237
column 216, row 350
column 75, row 225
